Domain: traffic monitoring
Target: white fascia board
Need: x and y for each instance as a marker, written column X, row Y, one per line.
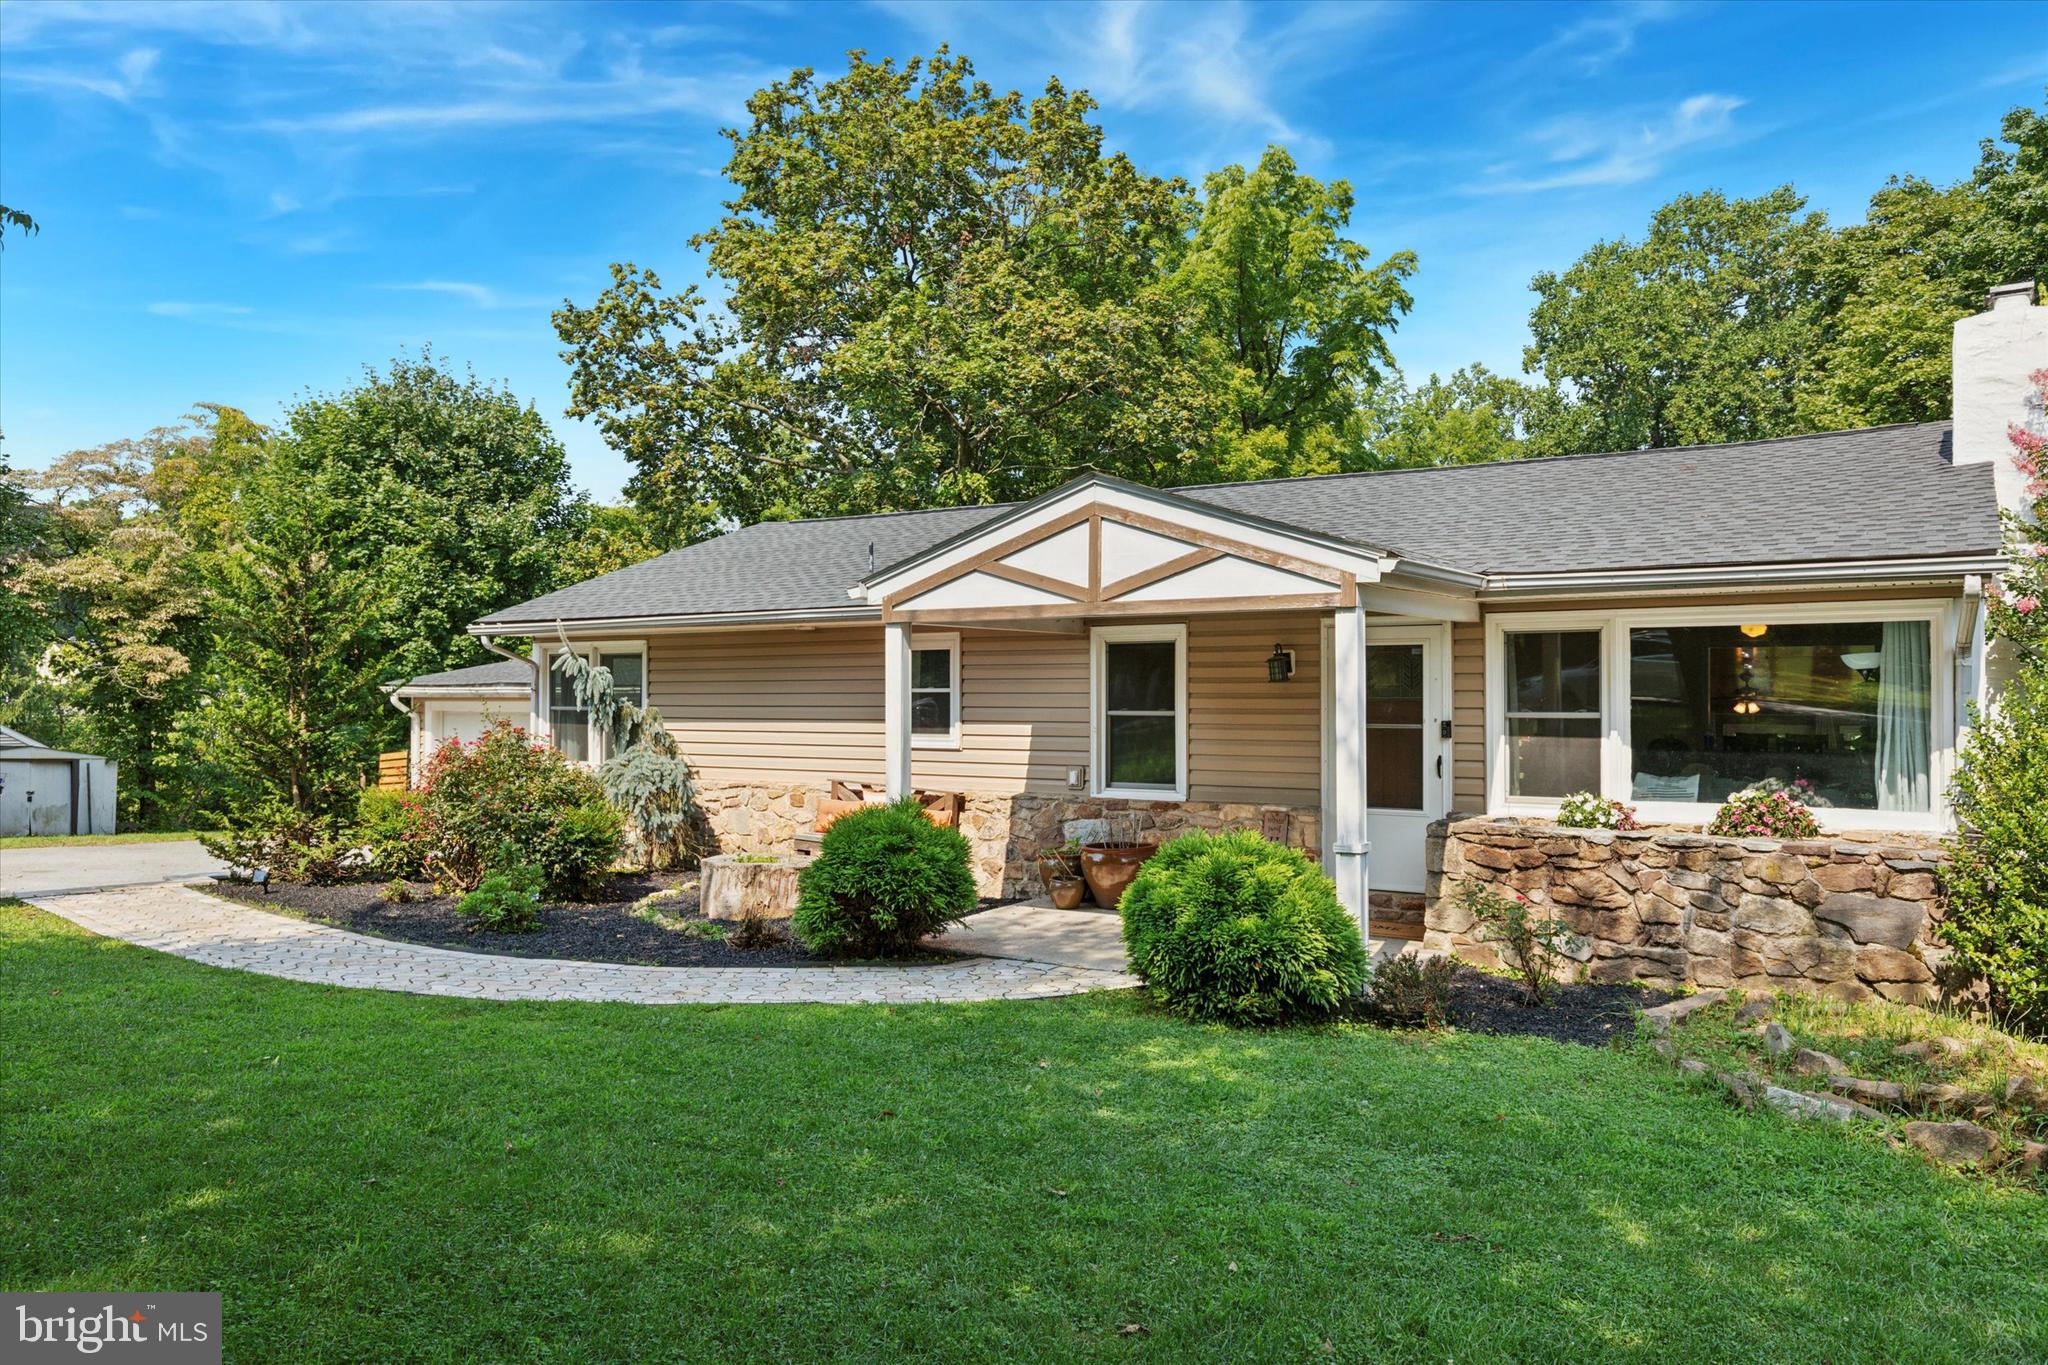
column 630, row 624
column 500, row 692
column 1366, row 565
column 1841, row 573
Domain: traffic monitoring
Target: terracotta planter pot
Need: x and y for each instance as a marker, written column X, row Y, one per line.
column 1066, row 892
column 1109, row 868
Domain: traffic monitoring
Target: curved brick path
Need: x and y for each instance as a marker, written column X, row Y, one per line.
column 192, row 924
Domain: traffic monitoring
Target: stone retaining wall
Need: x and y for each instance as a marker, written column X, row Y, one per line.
column 1837, row 916
column 1004, row 833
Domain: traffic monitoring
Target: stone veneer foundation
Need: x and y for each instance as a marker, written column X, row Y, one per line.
column 1836, row 916
column 1004, row 833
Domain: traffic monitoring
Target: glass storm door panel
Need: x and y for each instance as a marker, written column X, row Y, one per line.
column 1394, row 740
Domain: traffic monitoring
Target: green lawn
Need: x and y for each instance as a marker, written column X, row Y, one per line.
column 92, row 840
column 372, row 1176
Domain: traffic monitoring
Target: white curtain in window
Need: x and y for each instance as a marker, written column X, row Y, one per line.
column 1904, row 686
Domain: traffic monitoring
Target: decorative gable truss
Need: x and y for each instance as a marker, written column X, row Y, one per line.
column 1098, row 560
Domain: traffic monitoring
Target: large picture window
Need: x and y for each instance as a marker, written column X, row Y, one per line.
column 1141, row 699
column 1836, row 713
column 1553, row 717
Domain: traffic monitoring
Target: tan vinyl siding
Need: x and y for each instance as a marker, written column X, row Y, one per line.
column 1250, row 739
column 1023, row 715
column 1468, row 717
column 806, row 706
column 772, row 705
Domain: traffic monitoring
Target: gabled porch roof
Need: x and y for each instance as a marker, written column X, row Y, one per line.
column 1101, row 547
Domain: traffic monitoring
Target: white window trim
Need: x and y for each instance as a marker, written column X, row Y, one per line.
column 950, row 641
column 589, row 650
column 1098, row 732
column 1616, row 774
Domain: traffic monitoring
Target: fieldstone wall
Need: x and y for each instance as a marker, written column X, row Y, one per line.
column 1004, row 833
column 1837, row 916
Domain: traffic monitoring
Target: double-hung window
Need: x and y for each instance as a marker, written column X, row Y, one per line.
column 1140, row 721
column 569, row 726
column 935, row 691
column 1552, row 716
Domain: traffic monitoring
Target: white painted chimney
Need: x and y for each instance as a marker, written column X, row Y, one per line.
column 1996, row 353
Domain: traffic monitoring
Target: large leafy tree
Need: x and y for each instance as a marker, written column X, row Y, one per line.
column 112, row 602
column 1924, row 256
column 290, row 711
column 935, row 293
column 1473, row 417
column 1703, row 331
column 1295, row 313
column 452, row 494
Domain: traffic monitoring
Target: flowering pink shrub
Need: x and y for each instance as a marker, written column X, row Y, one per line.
column 2015, row 603
column 1764, row 815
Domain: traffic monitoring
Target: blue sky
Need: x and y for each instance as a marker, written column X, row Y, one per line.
column 241, row 203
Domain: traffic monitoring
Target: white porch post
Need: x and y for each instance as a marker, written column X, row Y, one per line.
column 896, row 708
column 1347, row 834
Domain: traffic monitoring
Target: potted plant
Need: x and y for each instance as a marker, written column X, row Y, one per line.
column 1109, row 866
column 1059, row 868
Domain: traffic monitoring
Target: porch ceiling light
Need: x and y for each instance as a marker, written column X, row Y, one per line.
column 1279, row 665
column 1754, row 632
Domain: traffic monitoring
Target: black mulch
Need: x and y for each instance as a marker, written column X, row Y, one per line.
column 1594, row 1015
column 602, row 929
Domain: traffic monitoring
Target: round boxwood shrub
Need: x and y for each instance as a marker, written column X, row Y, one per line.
column 885, row 877
column 1237, row 928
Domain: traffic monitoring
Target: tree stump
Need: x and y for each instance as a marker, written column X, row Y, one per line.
column 736, row 890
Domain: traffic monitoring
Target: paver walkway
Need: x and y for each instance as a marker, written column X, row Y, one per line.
column 192, row 924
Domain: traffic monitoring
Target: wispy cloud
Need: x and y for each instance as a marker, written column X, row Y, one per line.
column 1589, row 44
column 1234, row 67
column 177, row 308
column 481, row 295
column 1582, row 151
column 129, row 76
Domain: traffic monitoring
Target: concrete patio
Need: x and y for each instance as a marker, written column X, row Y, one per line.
column 1038, row 931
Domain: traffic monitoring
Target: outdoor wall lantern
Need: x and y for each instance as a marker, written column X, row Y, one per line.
column 1280, row 664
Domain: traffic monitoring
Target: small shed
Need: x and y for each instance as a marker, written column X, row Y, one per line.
column 45, row 791
column 459, row 703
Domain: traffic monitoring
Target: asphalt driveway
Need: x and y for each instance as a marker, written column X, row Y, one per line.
column 55, row 870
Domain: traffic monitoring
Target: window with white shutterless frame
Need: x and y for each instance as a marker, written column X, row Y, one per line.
column 934, row 690
column 568, row 720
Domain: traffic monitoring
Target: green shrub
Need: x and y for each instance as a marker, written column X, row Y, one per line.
column 507, row 902
column 292, row 845
column 1764, row 815
column 1534, row 943
column 503, row 789
column 1414, row 993
column 1584, row 810
column 1234, row 927
column 395, row 892
column 393, row 825
column 1997, row 877
column 885, row 877
column 574, row 854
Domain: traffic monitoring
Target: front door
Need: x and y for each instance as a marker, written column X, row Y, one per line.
column 1405, row 754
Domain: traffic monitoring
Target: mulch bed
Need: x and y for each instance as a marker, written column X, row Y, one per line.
column 602, row 929
column 1594, row 1015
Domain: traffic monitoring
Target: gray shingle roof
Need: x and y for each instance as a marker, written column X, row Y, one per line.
column 1878, row 493
column 503, row 672
column 770, row 566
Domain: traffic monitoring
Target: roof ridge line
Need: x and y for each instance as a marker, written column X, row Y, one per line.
column 1555, row 459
